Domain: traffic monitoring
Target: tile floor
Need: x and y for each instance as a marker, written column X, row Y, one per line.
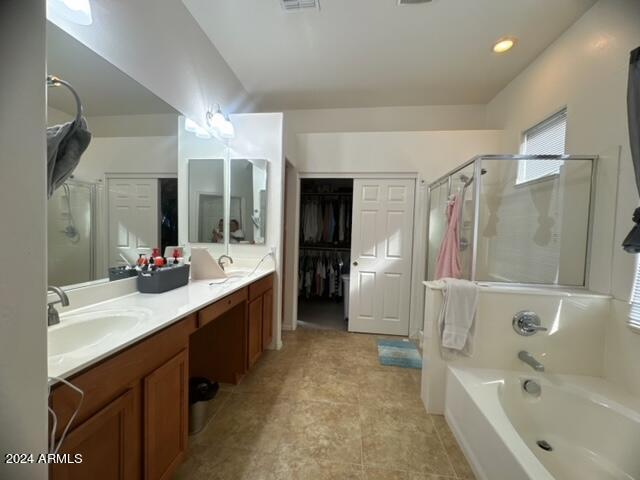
column 323, row 408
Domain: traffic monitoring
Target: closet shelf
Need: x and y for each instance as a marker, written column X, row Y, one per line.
column 326, row 194
column 325, row 248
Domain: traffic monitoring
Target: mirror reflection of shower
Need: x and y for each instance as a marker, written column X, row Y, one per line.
column 70, row 231
column 71, row 219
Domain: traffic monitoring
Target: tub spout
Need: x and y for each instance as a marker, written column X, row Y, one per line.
column 527, row 358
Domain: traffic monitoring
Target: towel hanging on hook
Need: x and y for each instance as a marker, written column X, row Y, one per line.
column 65, row 143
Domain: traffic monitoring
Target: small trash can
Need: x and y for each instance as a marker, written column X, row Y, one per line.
column 201, row 392
column 345, row 290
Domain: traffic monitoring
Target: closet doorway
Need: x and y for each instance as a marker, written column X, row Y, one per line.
column 356, row 242
column 325, row 252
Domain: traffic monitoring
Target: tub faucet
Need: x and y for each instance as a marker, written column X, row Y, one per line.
column 53, row 317
column 222, row 257
column 527, row 358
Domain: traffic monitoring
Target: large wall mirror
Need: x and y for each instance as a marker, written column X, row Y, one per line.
column 248, row 201
column 206, row 200
column 122, row 198
column 233, row 215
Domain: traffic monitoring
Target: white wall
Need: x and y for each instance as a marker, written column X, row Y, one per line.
column 128, row 155
column 586, row 69
column 160, row 45
column 23, row 283
column 379, row 119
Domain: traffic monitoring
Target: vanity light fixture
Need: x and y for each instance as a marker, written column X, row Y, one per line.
column 504, row 44
column 76, row 11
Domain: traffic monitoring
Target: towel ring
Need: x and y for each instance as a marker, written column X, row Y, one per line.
column 53, row 81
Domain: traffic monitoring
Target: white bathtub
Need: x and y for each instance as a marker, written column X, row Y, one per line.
column 594, row 429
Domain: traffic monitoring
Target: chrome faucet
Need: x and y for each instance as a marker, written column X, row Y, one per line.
column 53, row 317
column 527, row 358
column 222, row 257
column 527, row 323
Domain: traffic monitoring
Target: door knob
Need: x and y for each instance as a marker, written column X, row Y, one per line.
column 355, row 264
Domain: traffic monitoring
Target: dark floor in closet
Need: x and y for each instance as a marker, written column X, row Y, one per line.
column 321, row 314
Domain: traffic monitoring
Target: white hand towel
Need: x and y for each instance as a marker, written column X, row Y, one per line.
column 456, row 324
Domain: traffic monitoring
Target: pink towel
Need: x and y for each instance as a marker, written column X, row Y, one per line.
column 448, row 262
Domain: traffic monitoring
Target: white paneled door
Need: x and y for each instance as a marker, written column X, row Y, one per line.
column 133, row 217
column 381, row 253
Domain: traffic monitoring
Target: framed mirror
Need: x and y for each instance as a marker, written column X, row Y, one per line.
column 122, row 198
column 248, row 201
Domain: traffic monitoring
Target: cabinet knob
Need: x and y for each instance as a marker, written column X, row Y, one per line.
column 355, row 264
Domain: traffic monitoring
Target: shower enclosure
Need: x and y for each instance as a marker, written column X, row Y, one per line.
column 524, row 219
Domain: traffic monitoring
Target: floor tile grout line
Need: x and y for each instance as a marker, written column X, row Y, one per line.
column 444, row 449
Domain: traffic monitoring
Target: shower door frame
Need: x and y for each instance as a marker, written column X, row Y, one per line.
column 477, row 191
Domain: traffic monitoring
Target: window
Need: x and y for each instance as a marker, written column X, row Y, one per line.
column 546, row 138
column 634, row 312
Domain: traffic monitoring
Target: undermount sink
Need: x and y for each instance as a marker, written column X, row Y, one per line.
column 78, row 332
column 237, row 272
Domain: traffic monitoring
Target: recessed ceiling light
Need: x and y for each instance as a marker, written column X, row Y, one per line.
column 76, row 11
column 504, row 44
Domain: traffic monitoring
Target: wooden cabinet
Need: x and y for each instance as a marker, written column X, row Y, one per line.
column 267, row 319
column 166, row 410
column 133, row 421
column 107, row 443
column 254, row 340
column 260, row 324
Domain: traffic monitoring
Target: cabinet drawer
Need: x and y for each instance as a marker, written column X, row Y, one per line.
column 220, row 307
column 258, row 287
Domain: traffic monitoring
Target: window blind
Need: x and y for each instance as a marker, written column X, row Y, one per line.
column 546, row 138
column 634, row 312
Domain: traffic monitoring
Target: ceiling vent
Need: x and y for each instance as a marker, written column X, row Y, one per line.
column 299, row 5
column 413, row 2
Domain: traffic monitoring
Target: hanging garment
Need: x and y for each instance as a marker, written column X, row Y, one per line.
column 448, row 261
column 631, row 243
column 341, row 222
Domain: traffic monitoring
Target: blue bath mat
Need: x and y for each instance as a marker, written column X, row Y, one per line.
column 399, row 353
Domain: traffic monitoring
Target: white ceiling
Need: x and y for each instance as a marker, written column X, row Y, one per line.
column 103, row 88
column 365, row 53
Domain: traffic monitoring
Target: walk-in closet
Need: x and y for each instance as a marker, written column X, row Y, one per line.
column 325, row 248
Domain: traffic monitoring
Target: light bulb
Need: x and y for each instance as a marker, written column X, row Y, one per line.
column 202, row 133
column 216, row 120
column 504, row 45
column 227, row 130
column 190, row 125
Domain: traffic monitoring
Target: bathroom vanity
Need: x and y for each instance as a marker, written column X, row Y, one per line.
column 133, row 420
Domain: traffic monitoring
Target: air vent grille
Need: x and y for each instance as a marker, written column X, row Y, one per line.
column 413, row 2
column 298, row 5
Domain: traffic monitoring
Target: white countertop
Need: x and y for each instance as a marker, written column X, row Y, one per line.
column 163, row 309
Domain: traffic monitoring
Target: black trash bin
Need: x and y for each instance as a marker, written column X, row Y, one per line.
column 201, row 392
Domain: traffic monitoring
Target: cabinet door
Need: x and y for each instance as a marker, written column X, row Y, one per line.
column 267, row 319
column 255, row 330
column 107, row 442
column 165, row 418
